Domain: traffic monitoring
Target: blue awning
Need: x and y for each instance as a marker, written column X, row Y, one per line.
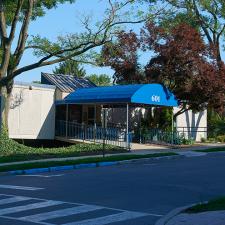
column 149, row 94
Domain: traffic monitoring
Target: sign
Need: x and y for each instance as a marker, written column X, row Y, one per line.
column 155, row 98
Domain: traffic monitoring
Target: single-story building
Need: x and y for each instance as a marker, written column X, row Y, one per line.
column 35, row 109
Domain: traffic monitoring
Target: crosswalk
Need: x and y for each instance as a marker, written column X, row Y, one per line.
column 20, row 208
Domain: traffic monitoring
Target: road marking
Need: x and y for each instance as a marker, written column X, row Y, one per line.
column 119, row 215
column 28, row 207
column 13, row 200
column 20, row 188
column 60, row 213
column 109, row 219
column 45, row 176
column 150, row 164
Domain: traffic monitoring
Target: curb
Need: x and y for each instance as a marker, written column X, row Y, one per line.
column 59, row 168
column 79, row 166
column 165, row 219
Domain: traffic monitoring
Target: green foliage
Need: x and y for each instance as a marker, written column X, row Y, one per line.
column 44, row 45
column 100, row 80
column 10, row 150
column 187, row 141
column 40, row 8
column 96, row 160
column 216, row 124
column 220, row 138
column 203, row 140
column 158, row 117
column 70, row 67
column 213, row 205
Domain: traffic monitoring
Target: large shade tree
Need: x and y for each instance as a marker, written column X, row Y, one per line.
column 15, row 20
column 207, row 16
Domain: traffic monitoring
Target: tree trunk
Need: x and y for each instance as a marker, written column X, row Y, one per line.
column 5, row 93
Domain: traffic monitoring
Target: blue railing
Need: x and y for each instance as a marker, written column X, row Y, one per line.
column 161, row 137
column 97, row 134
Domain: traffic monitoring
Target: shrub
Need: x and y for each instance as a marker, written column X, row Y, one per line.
column 188, row 141
column 220, row 138
column 203, row 140
column 10, row 150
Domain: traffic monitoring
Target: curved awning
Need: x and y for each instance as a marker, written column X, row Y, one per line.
column 149, row 94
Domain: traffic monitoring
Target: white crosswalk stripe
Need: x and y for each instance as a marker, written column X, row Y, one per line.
column 69, row 209
column 109, row 219
column 60, row 213
column 20, row 188
column 28, row 207
column 13, row 200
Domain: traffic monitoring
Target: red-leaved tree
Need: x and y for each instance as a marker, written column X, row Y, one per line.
column 186, row 65
column 181, row 61
column 123, row 58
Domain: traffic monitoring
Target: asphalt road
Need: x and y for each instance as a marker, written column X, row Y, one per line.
column 134, row 193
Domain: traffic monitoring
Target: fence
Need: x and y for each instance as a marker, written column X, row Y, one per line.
column 97, row 134
column 157, row 136
column 195, row 133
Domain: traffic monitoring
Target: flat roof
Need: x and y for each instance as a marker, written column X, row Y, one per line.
column 148, row 94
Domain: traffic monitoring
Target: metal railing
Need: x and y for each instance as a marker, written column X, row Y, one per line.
column 156, row 136
column 96, row 134
column 193, row 132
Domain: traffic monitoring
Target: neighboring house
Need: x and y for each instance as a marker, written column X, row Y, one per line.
column 33, row 113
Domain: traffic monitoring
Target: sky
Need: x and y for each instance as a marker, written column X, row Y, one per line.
column 60, row 21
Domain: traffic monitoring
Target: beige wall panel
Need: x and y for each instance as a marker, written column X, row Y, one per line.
column 32, row 113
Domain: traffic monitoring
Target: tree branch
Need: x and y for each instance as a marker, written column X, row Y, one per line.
column 3, row 31
column 15, row 20
column 23, row 33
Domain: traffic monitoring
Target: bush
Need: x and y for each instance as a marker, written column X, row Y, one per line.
column 188, row 141
column 203, row 140
column 213, row 140
column 220, row 138
column 10, row 150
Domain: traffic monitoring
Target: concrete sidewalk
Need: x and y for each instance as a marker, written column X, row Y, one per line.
column 204, row 218
column 138, row 149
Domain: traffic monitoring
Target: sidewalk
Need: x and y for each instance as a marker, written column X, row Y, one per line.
column 137, row 149
column 204, row 218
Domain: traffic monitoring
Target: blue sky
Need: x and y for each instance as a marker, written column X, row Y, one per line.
column 60, row 21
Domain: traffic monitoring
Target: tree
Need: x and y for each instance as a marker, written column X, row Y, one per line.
column 100, row 80
column 208, row 16
column 74, row 46
column 70, row 67
column 182, row 62
column 122, row 56
column 186, row 65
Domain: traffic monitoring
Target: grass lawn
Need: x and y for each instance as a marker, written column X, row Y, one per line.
column 11, row 151
column 221, row 149
column 213, row 205
column 24, row 153
column 80, row 161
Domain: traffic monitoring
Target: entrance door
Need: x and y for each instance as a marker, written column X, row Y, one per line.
column 91, row 115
